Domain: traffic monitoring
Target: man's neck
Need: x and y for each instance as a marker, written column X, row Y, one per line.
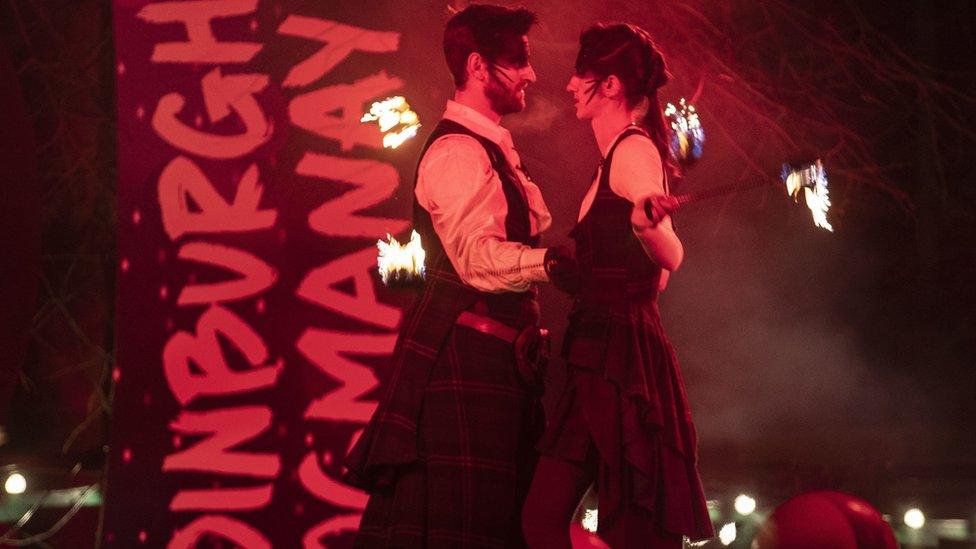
column 608, row 125
column 475, row 99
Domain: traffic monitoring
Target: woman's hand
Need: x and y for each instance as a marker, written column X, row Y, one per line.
column 652, row 227
column 651, row 210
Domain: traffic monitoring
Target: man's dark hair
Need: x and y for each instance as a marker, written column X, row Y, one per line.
column 493, row 31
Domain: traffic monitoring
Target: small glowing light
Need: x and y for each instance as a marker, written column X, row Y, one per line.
column 401, row 264
column 590, row 520
column 16, row 484
column 812, row 178
column 396, row 120
column 688, row 136
column 744, row 504
column 914, row 518
column 727, row 534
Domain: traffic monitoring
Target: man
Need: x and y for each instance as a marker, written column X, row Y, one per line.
column 448, row 456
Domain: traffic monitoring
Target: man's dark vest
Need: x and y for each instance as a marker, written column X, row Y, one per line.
column 389, row 441
column 517, row 225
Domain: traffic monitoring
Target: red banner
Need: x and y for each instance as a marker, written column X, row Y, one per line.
column 250, row 316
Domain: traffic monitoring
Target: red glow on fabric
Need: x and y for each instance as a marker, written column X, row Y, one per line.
column 312, row 111
column 318, row 288
column 221, row 527
column 182, row 180
column 220, row 344
column 196, row 17
column 226, row 428
column 374, row 182
column 341, row 40
column 325, row 349
column 203, row 350
column 222, row 94
column 257, row 276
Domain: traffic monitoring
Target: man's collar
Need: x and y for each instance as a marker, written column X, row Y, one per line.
column 477, row 122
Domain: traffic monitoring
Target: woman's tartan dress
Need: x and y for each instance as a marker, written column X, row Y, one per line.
column 448, row 456
column 625, row 395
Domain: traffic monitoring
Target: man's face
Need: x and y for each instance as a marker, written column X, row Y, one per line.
column 509, row 76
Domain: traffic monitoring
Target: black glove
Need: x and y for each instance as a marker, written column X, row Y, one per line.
column 656, row 207
column 562, row 269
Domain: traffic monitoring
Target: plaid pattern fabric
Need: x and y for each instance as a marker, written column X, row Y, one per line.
column 477, row 428
column 613, row 265
column 448, row 454
column 626, row 394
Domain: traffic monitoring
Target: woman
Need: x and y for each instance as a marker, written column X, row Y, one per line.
column 623, row 420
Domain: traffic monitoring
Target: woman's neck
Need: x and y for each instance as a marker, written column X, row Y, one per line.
column 607, row 125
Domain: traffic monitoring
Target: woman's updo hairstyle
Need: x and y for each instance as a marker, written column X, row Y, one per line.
column 628, row 52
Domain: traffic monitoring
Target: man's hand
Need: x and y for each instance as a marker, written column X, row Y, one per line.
column 647, row 213
column 562, row 269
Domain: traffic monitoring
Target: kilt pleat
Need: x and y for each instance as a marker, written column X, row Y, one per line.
column 478, row 427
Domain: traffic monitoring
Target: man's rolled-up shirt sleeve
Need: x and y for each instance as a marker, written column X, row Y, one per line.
column 468, row 208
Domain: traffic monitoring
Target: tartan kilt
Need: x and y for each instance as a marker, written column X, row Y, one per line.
column 476, row 434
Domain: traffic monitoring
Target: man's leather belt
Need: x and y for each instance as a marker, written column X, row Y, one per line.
column 488, row 326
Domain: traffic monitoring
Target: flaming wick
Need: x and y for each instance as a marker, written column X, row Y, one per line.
column 401, row 264
column 396, row 120
column 812, row 178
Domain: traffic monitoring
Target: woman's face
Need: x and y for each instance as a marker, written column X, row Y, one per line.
column 585, row 90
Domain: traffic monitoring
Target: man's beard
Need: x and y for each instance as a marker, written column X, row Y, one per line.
column 503, row 100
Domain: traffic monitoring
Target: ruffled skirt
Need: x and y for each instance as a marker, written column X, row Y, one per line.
column 626, row 395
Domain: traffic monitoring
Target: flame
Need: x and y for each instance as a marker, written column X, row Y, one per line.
column 401, row 262
column 812, row 179
column 393, row 140
column 390, row 114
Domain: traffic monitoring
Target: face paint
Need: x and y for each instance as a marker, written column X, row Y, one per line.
column 592, row 87
column 514, row 51
column 507, row 77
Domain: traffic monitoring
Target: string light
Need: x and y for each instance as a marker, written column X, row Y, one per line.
column 727, row 534
column 914, row 518
column 744, row 504
column 16, row 483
